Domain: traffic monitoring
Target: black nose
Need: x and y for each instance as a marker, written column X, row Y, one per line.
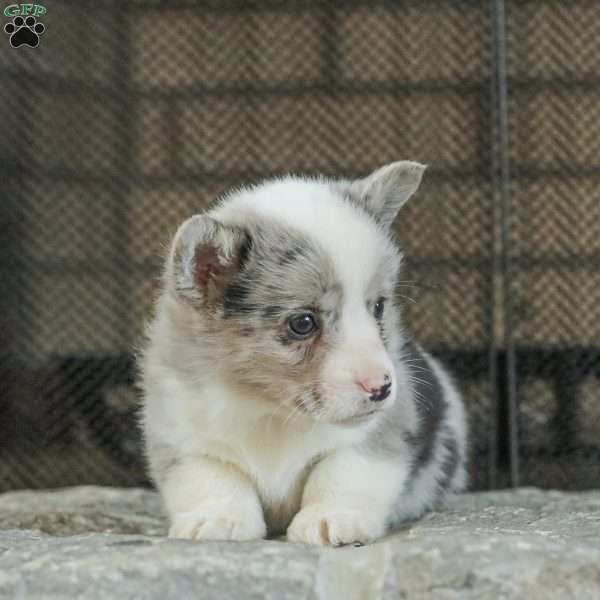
column 382, row 393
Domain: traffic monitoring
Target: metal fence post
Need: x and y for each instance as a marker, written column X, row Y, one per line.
column 501, row 160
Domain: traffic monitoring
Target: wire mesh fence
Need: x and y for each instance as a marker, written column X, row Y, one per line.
column 129, row 117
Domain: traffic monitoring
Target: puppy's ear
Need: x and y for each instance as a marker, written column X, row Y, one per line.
column 204, row 256
column 383, row 193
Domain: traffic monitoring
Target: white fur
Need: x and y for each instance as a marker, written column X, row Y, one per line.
column 270, row 451
column 309, row 206
column 228, row 463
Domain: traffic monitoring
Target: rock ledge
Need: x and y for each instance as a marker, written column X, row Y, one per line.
column 92, row 542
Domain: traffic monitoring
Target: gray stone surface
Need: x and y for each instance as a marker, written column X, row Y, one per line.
column 103, row 543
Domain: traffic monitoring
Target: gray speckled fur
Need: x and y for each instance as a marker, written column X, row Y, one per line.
column 438, row 450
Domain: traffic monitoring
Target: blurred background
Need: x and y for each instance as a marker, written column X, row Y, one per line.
column 131, row 116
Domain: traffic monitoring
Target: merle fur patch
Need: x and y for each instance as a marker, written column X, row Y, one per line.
column 451, row 461
column 277, row 255
column 431, row 406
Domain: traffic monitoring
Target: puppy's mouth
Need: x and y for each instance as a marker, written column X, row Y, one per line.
column 314, row 407
column 357, row 419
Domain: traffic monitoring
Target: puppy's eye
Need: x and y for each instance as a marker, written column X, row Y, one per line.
column 378, row 308
column 302, row 325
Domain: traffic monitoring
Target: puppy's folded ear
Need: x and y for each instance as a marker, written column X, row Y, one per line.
column 204, row 257
column 383, row 193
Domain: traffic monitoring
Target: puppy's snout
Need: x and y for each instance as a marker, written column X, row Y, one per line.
column 378, row 389
column 382, row 393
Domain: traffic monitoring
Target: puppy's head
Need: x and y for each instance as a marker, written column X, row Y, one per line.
column 290, row 286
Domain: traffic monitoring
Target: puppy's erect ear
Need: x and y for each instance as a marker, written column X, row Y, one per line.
column 386, row 190
column 205, row 255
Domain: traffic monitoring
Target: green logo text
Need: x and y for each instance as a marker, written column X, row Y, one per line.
column 14, row 10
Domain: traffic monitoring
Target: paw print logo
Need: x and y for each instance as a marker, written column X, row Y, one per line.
column 24, row 32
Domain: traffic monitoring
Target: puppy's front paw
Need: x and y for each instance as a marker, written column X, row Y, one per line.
column 329, row 525
column 234, row 524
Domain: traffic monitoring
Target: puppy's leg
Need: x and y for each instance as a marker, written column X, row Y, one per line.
column 348, row 498
column 210, row 500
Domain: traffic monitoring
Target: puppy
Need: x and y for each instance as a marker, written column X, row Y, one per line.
column 281, row 391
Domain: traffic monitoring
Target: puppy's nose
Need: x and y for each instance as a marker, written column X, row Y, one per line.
column 377, row 393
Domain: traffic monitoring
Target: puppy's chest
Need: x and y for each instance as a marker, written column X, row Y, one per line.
column 278, row 459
